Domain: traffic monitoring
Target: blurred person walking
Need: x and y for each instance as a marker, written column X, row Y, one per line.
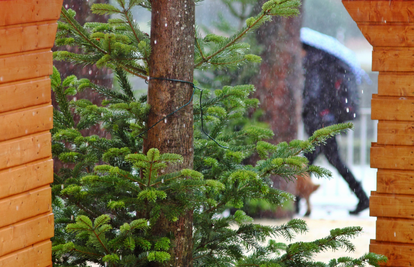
column 327, row 79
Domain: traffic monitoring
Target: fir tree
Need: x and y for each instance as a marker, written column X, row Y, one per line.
column 120, row 202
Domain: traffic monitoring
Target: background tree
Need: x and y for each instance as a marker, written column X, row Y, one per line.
column 278, row 77
column 279, row 84
column 101, row 76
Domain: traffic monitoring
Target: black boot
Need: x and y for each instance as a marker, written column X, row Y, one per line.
column 297, row 204
column 360, row 207
column 363, row 200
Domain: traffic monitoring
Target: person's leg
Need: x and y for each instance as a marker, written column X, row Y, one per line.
column 309, row 128
column 308, row 206
column 297, row 204
column 332, row 154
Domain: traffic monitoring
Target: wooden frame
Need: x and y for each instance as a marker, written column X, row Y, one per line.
column 27, row 33
column 27, row 30
column 389, row 27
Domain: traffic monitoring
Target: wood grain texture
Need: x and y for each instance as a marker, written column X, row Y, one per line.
column 27, row 177
column 399, row 255
column 396, row 84
column 380, row 11
column 389, row 27
column 35, row 92
column 25, row 122
column 392, row 108
column 395, row 230
column 392, row 157
column 26, row 66
column 26, row 233
column 27, row 32
column 388, row 34
column 26, row 205
column 391, row 11
column 38, row 255
column 398, row 59
column 26, row 11
column 27, row 38
column 391, row 206
column 395, row 182
column 395, row 133
column 359, row 11
column 24, row 150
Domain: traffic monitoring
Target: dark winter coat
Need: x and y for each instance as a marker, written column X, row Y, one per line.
column 321, row 72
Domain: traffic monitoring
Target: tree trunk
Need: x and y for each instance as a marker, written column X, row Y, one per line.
column 172, row 42
column 279, row 84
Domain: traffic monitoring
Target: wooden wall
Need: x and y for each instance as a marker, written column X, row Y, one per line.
column 27, row 33
column 389, row 27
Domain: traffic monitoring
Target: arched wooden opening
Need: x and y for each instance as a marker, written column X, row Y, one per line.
column 27, row 33
column 388, row 26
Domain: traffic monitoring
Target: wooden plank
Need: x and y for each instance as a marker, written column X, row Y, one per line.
column 396, row 84
column 29, row 121
column 392, row 157
column 392, row 108
column 399, row 255
column 26, row 233
column 26, row 11
column 38, row 255
column 391, row 206
column 27, row 32
column 35, row 92
column 23, row 178
column 26, row 205
column 359, row 10
column 395, row 133
column 398, row 59
column 24, row 150
column 380, row 11
column 395, row 182
column 26, row 66
column 391, row 11
column 395, row 230
column 27, row 38
column 388, row 34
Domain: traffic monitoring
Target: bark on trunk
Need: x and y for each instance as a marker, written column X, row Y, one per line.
column 172, row 41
